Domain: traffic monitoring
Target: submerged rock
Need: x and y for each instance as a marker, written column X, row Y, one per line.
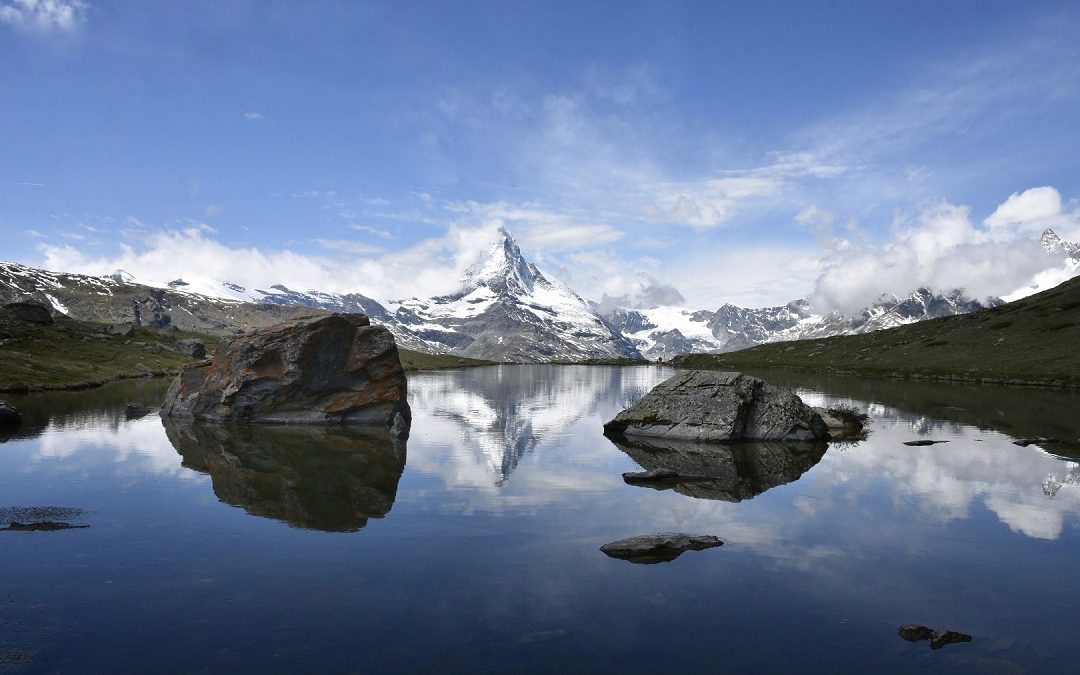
column 922, row 443
column 648, row 549
column 731, row 472
column 719, row 407
column 913, row 632
column 41, row 526
column 1024, row 442
column 134, row 411
column 335, row 369
column 9, row 416
column 948, row 637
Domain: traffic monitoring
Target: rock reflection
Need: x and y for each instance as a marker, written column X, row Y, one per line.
column 312, row 478
column 730, row 473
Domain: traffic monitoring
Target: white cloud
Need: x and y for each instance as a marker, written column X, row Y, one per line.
column 941, row 248
column 1032, row 210
column 540, row 230
column 61, row 16
column 254, row 116
column 379, row 232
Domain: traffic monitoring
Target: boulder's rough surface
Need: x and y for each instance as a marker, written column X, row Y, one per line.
column 27, row 311
column 730, row 472
column 704, row 405
column 124, row 330
column 333, row 369
column 192, row 347
column 9, row 416
column 648, row 549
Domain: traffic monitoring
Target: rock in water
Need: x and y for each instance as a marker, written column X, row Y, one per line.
column 948, row 637
column 9, row 416
column 913, row 632
column 648, row 549
column 720, row 407
column 335, row 369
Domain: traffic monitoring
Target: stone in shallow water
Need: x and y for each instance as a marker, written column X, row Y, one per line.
column 648, row 549
column 719, row 407
column 913, row 632
column 335, row 369
column 922, row 443
column 948, row 637
column 9, row 416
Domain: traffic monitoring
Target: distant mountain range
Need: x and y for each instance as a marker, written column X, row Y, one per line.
column 507, row 309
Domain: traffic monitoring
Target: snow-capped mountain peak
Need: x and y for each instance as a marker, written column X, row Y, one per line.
column 1054, row 244
column 501, row 268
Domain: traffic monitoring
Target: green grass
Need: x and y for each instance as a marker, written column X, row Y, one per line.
column 72, row 354
column 1033, row 341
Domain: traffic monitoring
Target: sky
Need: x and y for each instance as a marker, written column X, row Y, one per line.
column 691, row 153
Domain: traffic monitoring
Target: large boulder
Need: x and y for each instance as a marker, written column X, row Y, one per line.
column 649, row 549
column 29, row 312
column 335, row 369
column 704, row 405
column 192, row 347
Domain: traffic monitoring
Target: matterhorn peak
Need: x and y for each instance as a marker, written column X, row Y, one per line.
column 1053, row 243
column 501, row 267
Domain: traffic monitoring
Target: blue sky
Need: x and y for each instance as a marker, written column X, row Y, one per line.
column 738, row 152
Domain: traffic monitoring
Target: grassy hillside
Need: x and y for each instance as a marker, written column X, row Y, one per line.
column 72, row 354
column 1035, row 340
column 420, row 361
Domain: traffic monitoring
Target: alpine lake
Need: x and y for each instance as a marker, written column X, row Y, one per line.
column 474, row 546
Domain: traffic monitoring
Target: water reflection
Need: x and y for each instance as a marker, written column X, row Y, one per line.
column 500, row 414
column 313, row 478
column 730, row 473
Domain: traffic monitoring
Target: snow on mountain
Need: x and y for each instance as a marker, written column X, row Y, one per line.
column 1054, row 244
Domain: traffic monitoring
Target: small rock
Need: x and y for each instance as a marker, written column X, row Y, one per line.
column 27, row 311
column 41, row 526
column 948, row 637
column 143, row 369
column 192, row 347
column 1024, row 442
column 650, row 476
column 922, row 443
column 913, row 632
column 134, row 411
column 124, row 330
column 9, row 416
column 648, row 549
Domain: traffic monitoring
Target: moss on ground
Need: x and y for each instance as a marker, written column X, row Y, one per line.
column 1034, row 341
column 71, row 354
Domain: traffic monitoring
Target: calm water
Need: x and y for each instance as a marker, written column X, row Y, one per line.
column 475, row 548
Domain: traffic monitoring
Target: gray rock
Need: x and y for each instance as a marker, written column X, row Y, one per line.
column 192, row 347
column 134, row 411
column 9, row 416
column 27, row 311
column 648, row 549
column 719, row 407
column 144, row 370
column 651, row 476
column 335, row 369
column 125, row 330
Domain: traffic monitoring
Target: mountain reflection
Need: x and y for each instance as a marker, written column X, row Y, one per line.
column 730, row 473
column 502, row 413
column 312, row 478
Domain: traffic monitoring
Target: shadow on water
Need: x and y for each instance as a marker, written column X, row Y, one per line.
column 1020, row 412
column 332, row 480
column 88, row 407
column 730, row 473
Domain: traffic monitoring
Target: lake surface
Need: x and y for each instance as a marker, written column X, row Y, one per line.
column 475, row 546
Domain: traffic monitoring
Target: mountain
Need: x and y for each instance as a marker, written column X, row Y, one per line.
column 1053, row 243
column 665, row 332
column 1028, row 341
column 506, row 309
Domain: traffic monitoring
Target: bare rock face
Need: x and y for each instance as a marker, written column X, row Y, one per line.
column 335, row 369
column 27, row 311
column 712, row 406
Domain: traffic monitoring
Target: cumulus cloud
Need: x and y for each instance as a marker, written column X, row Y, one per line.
column 60, row 16
column 539, row 229
column 942, row 248
column 433, row 266
column 646, row 291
